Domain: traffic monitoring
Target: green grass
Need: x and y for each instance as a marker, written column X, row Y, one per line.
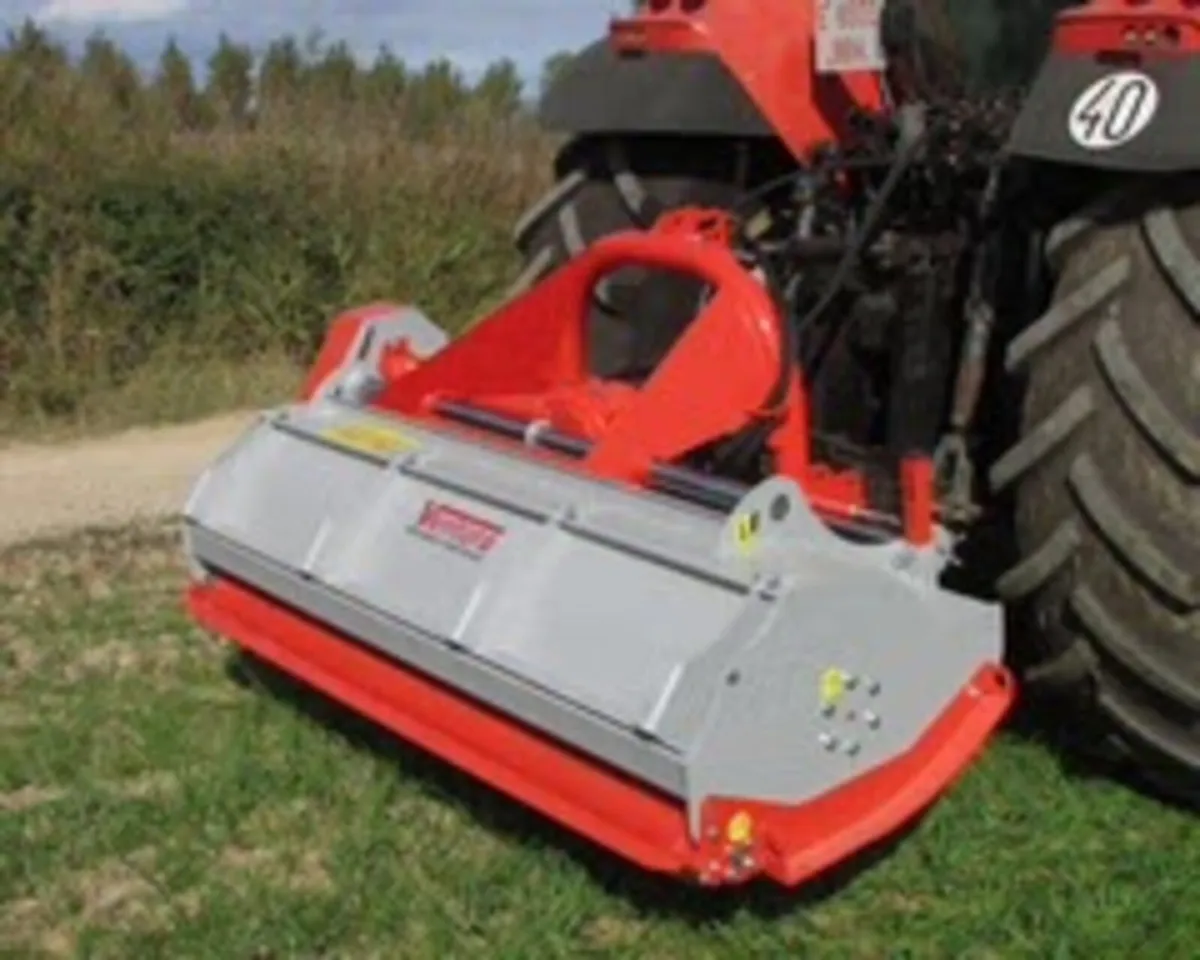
column 157, row 799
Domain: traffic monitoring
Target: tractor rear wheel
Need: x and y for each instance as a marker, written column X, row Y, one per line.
column 612, row 183
column 1105, row 481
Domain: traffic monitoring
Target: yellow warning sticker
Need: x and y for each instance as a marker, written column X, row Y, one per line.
column 746, row 531
column 740, row 829
column 833, row 687
column 369, row 438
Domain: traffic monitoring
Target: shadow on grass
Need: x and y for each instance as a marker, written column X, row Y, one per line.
column 651, row 894
column 1084, row 755
column 1049, row 718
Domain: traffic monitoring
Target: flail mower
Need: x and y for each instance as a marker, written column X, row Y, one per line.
column 836, row 401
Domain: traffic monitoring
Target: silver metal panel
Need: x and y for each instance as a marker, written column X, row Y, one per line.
column 646, row 632
column 651, row 763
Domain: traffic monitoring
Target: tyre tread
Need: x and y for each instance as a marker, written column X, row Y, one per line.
column 1043, row 439
column 1137, row 547
column 1143, row 402
column 1067, row 312
column 1108, row 569
column 1173, row 254
column 547, row 203
column 1115, row 637
column 1036, row 569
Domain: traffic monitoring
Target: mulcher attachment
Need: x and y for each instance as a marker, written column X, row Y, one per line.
column 508, row 564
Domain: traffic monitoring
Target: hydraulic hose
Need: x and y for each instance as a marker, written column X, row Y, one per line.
column 913, row 131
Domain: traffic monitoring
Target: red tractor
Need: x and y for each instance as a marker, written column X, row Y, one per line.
column 824, row 366
column 1007, row 283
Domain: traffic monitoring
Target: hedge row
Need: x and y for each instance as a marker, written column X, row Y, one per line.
column 237, row 249
column 123, row 241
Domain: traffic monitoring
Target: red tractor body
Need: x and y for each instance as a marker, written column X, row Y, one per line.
column 770, row 49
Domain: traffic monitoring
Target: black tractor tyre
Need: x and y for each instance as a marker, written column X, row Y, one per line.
column 612, row 183
column 1104, row 483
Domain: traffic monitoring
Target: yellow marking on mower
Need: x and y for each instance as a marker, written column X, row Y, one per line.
column 369, row 438
column 746, row 531
column 833, row 687
column 740, row 829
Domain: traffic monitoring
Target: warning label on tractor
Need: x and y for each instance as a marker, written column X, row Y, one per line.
column 848, row 36
column 457, row 530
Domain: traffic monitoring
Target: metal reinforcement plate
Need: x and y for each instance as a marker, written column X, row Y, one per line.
column 754, row 654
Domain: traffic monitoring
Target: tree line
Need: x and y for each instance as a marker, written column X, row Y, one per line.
column 242, row 88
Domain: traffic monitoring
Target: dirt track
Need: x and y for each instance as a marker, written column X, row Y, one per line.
column 141, row 474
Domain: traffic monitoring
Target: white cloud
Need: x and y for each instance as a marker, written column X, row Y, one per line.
column 97, row 11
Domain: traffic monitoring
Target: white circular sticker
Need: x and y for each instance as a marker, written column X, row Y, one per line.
column 1113, row 110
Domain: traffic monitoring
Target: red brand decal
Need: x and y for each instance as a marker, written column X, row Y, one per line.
column 457, row 529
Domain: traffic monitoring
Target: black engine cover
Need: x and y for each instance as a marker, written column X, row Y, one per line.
column 684, row 93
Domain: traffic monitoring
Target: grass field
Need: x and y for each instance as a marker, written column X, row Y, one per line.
column 158, row 799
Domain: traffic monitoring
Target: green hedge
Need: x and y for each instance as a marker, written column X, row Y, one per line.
column 234, row 249
column 133, row 238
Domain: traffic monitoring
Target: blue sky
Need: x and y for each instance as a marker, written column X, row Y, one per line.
column 472, row 33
